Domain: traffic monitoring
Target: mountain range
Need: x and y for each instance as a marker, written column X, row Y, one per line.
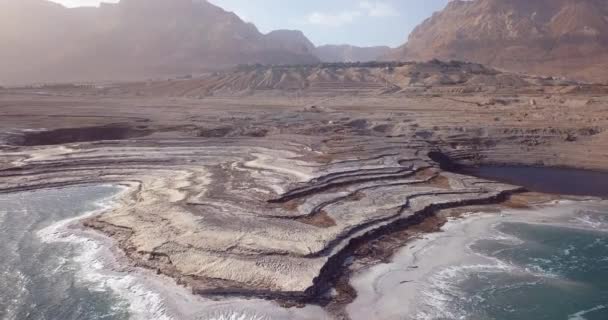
column 545, row 37
column 45, row 42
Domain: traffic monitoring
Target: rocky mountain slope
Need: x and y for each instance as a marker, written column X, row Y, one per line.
column 348, row 53
column 552, row 37
column 44, row 41
column 361, row 79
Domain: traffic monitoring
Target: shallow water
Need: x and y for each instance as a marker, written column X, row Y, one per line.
column 544, row 263
column 543, row 272
column 38, row 279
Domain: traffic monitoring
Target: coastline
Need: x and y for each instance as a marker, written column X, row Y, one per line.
column 211, row 212
column 407, row 287
column 101, row 267
column 146, row 294
column 153, row 296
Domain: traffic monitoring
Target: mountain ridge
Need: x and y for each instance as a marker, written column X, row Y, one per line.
column 552, row 37
column 133, row 39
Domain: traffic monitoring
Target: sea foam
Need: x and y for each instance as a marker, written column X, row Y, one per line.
column 141, row 302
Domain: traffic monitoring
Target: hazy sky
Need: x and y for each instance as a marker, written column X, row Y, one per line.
column 357, row 22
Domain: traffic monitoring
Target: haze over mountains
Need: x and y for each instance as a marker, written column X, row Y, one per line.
column 44, row 41
column 348, row 53
column 552, row 37
column 134, row 39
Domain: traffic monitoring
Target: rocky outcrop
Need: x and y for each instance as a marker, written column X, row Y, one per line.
column 240, row 216
column 372, row 78
column 549, row 37
column 43, row 41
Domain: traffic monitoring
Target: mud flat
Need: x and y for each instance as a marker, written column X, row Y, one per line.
column 274, row 194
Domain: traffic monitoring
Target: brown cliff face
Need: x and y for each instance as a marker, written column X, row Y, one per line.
column 43, row 41
column 549, row 37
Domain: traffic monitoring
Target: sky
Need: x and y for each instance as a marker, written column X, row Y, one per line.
column 356, row 22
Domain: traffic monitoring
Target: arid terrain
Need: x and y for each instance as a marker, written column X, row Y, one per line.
column 270, row 181
column 547, row 37
column 167, row 159
column 159, row 39
column 134, row 39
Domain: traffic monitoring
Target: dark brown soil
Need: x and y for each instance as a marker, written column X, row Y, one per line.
column 320, row 219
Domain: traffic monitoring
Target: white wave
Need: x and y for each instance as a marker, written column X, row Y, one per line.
column 443, row 294
column 581, row 314
column 143, row 303
column 569, row 250
column 58, row 232
column 500, row 236
column 444, row 291
column 590, row 221
column 234, row 315
column 18, row 292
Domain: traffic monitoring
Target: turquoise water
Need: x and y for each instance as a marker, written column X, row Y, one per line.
column 538, row 272
column 38, row 280
column 533, row 271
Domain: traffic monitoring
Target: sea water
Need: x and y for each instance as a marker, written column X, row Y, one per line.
column 546, row 179
column 533, row 271
column 52, row 270
column 38, row 278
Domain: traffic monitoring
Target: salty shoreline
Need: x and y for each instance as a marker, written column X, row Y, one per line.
column 403, row 287
column 151, row 295
column 104, row 266
column 260, row 196
column 156, row 296
column 383, row 290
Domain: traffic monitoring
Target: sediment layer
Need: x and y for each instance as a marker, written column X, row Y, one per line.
column 238, row 218
column 270, row 196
